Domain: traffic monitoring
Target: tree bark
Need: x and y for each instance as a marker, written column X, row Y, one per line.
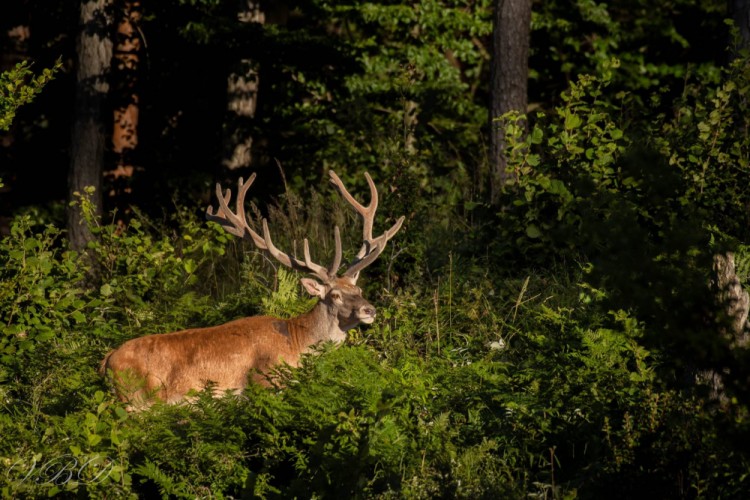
column 732, row 298
column 125, row 93
column 734, row 304
column 17, row 35
column 510, row 72
column 242, row 98
column 740, row 11
column 94, row 50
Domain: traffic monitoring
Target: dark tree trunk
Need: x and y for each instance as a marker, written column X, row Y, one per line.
column 740, row 11
column 125, row 99
column 94, row 49
column 243, row 146
column 242, row 98
column 734, row 304
column 732, row 299
column 510, row 72
column 18, row 32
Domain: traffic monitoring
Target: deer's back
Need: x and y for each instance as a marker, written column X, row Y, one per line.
column 171, row 364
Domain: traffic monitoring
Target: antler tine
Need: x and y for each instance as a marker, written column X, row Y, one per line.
column 235, row 223
column 319, row 270
column 223, row 215
column 368, row 212
column 289, row 261
column 359, row 264
column 371, row 247
column 337, row 258
column 275, row 252
column 242, row 188
column 373, row 250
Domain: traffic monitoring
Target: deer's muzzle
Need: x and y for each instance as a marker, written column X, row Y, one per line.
column 366, row 314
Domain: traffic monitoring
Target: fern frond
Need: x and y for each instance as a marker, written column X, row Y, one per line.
column 168, row 487
column 285, row 301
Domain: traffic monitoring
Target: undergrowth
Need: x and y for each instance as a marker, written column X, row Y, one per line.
column 472, row 385
column 503, row 364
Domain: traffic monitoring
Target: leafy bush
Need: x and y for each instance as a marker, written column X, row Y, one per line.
column 41, row 301
column 594, row 163
column 19, row 86
column 644, row 204
column 473, row 386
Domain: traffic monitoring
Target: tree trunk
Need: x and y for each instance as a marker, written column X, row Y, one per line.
column 740, row 11
column 94, row 49
column 733, row 301
column 17, row 35
column 510, row 72
column 125, row 95
column 242, row 98
column 732, row 298
column 734, row 304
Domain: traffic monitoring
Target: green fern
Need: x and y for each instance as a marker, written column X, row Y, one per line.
column 168, row 487
column 285, row 301
column 742, row 263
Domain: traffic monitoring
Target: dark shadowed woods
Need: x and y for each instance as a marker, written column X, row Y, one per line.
column 562, row 315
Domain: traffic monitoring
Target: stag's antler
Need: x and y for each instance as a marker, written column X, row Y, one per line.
column 371, row 247
column 236, row 223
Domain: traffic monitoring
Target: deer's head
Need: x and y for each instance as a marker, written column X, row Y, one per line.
column 342, row 299
column 338, row 293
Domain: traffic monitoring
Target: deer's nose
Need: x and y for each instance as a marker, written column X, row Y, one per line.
column 368, row 311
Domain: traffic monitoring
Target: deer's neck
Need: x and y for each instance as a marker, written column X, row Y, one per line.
column 321, row 323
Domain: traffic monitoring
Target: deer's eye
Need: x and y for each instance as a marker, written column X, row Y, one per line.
column 336, row 296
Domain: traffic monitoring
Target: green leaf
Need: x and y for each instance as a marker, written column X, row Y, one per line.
column 532, row 231
column 121, row 413
column 536, row 136
column 189, row 265
column 572, row 121
column 615, row 133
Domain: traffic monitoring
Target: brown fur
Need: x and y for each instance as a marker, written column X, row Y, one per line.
column 167, row 366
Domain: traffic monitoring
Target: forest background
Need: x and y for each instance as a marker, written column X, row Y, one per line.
column 562, row 316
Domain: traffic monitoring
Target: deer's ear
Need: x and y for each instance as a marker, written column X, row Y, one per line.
column 314, row 288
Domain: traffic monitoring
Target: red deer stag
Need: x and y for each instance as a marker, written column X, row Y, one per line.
column 167, row 366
